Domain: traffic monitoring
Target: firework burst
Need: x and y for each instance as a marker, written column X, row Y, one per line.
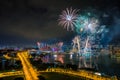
column 67, row 18
column 86, row 23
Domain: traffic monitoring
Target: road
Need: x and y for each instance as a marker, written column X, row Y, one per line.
column 29, row 71
column 15, row 73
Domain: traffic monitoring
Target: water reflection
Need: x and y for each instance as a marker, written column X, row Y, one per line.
column 102, row 63
column 58, row 58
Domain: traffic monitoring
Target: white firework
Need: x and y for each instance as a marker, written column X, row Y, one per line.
column 67, row 18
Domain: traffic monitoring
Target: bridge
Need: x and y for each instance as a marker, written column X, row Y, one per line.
column 29, row 71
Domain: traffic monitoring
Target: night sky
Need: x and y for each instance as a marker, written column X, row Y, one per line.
column 29, row 21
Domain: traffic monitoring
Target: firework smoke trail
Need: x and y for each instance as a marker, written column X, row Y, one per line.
column 67, row 18
column 86, row 45
column 85, row 51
